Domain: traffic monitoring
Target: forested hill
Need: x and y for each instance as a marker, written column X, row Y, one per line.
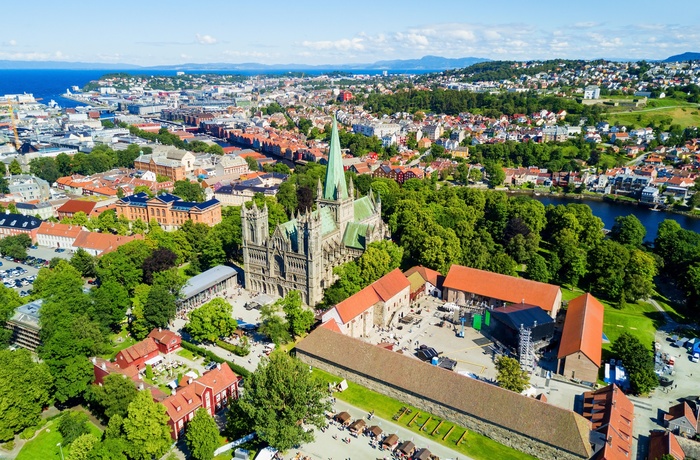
column 452, row 102
column 511, row 70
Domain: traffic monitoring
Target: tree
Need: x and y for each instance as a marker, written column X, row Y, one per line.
column 299, row 319
column 202, row 436
column 279, row 395
column 146, row 428
column 26, row 390
column 628, row 230
column 84, row 263
column 9, row 301
column 537, row 269
column 160, row 259
column 159, row 308
column 82, row 446
column 72, row 425
column 188, row 191
column 211, row 321
column 273, row 325
column 45, row 168
column 113, row 396
column 15, row 167
column 72, row 376
column 510, row 375
column 495, row 173
column 110, row 302
column 638, row 361
column 252, row 163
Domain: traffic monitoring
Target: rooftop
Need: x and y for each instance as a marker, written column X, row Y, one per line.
column 205, row 280
column 28, row 314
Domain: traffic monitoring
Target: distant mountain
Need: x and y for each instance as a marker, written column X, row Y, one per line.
column 424, row 63
column 427, row 63
column 688, row 56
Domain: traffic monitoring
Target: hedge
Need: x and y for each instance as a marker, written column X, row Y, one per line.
column 237, row 350
column 240, row 370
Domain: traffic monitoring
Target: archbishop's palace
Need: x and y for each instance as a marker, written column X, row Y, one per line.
column 301, row 253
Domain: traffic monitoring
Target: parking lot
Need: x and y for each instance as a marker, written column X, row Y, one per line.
column 20, row 276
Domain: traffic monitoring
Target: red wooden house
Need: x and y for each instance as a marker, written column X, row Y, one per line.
column 137, row 354
column 167, row 341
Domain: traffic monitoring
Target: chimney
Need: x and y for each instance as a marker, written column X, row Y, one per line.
column 189, row 381
column 173, row 392
column 160, row 329
column 104, row 366
column 610, row 441
column 94, row 360
column 140, row 386
column 218, row 366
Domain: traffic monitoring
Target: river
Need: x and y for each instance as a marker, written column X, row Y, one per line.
column 608, row 211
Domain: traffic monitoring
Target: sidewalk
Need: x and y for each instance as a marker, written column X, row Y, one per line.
column 325, row 447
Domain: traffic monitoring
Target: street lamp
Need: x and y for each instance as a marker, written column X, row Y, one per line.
column 61, row 449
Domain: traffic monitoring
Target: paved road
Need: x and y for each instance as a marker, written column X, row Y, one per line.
column 326, row 447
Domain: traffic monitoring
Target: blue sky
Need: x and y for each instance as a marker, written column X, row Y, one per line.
column 150, row 32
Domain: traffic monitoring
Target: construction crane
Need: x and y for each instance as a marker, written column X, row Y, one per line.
column 18, row 144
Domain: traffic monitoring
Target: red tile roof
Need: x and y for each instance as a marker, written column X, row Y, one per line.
column 433, row 277
column 662, row 443
column 139, row 350
column 62, row 230
column 102, row 242
column 502, row 287
column 218, row 379
column 583, row 328
column 332, row 324
column 383, row 289
column 611, row 413
column 164, row 336
column 73, row 206
column 682, row 410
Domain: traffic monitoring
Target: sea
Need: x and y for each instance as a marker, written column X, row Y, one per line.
column 50, row 84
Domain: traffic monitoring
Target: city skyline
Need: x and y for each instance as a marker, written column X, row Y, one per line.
column 326, row 33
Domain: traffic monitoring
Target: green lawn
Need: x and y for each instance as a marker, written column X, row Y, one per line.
column 639, row 319
column 683, row 116
column 474, row 445
column 45, row 445
column 187, row 354
column 119, row 342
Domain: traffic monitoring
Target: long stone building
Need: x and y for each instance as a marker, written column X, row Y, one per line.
column 531, row 426
column 301, row 253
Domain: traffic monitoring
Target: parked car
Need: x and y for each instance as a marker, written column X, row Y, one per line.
column 60, row 250
column 210, row 366
column 695, row 358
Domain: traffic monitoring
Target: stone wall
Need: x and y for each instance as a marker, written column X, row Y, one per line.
column 516, row 441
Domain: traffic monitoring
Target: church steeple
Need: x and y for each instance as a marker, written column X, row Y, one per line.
column 335, row 187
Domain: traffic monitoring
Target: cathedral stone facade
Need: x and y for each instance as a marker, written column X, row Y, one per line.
column 302, row 253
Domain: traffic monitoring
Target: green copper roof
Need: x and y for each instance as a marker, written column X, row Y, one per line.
column 355, row 235
column 327, row 221
column 335, row 187
column 289, row 230
column 363, row 208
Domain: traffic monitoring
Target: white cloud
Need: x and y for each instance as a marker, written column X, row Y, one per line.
column 205, row 39
column 12, row 42
column 344, row 44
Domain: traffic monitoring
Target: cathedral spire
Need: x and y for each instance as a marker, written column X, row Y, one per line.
column 335, row 187
column 351, row 189
column 319, row 190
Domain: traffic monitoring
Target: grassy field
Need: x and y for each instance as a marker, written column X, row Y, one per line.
column 683, row 116
column 473, row 445
column 187, row 354
column 45, row 445
column 639, row 319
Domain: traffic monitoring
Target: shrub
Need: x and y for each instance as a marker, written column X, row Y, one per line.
column 240, row 370
column 28, row 433
column 238, row 350
column 9, row 445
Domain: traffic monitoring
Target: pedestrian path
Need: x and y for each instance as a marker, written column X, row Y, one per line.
column 329, row 445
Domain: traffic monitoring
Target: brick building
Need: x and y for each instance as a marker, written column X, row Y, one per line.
column 211, row 391
column 17, row 224
column 167, row 161
column 71, row 207
column 137, row 354
column 582, row 339
column 166, row 341
column 168, row 210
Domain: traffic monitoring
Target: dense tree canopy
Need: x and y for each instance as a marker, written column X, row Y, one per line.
column 211, row 321
column 638, row 361
column 281, row 393
column 510, row 375
column 202, row 436
column 26, row 390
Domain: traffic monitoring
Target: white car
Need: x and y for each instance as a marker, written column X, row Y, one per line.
column 695, row 358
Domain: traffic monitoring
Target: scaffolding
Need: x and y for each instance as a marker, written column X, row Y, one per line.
column 526, row 349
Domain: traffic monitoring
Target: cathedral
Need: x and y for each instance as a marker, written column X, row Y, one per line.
column 302, row 253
